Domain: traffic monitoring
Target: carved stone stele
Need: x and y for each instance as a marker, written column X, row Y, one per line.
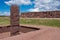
column 14, row 18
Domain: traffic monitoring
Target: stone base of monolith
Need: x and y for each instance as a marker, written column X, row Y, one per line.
column 14, row 30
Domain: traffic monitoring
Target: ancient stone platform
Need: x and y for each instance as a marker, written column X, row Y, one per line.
column 6, row 31
column 45, row 33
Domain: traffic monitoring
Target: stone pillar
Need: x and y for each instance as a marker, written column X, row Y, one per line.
column 14, row 19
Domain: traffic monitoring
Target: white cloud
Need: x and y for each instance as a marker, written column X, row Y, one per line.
column 47, row 4
column 5, row 13
column 34, row 10
column 18, row 2
column 1, row 13
column 40, row 5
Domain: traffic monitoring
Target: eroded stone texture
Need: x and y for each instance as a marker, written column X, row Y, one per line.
column 14, row 10
column 47, row 14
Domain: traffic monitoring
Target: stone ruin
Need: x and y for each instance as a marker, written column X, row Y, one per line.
column 14, row 28
column 45, row 14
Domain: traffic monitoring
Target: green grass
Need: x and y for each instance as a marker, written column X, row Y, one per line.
column 4, row 20
column 47, row 22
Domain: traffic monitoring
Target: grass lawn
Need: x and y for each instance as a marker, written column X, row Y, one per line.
column 33, row 21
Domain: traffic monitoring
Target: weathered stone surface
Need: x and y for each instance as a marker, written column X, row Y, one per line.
column 48, row 14
column 14, row 10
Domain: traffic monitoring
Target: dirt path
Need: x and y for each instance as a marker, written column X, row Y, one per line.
column 45, row 33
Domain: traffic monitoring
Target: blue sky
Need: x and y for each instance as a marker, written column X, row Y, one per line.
column 29, row 5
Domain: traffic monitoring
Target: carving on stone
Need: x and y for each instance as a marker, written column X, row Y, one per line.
column 14, row 18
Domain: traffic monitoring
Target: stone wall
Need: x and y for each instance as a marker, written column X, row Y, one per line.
column 48, row 14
